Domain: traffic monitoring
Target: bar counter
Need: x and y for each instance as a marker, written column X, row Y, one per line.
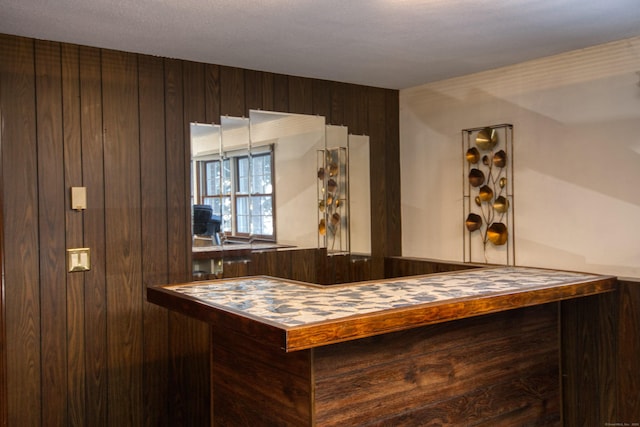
column 479, row 344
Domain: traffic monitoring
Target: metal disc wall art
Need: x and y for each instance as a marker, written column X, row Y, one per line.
column 488, row 194
column 332, row 198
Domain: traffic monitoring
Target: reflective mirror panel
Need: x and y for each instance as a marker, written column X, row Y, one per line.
column 277, row 180
column 293, row 141
column 206, row 183
column 334, row 193
column 235, row 180
column 359, row 194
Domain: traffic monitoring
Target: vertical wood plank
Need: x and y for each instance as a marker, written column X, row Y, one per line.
column 51, row 198
column 123, row 237
column 391, row 106
column 380, row 187
column 177, row 199
column 357, row 110
column 212, row 93
column 322, row 98
column 300, row 95
column 20, row 211
column 628, row 355
column 267, row 91
column 186, row 341
column 76, row 367
column 253, row 88
column 196, row 337
column 281, row 93
column 232, row 96
column 95, row 304
column 589, row 352
column 338, row 99
column 154, row 241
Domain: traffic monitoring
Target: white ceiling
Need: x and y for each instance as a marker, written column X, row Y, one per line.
column 386, row 43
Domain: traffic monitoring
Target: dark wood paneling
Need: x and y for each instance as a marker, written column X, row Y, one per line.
column 20, row 229
column 123, row 241
column 258, row 385
column 280, row 92
column 304, row 264
column 232, row 96
column 400, row 266
column 75, row 345
column 238, row 268
column 488, row 369
column 188, row 338
column 271, row 263
column 51, row 215
column 95, row 304
column 300, row 95
column 322, row 99
column 117, row 124
column 212, row 93
column 589, row 341
column 628, row 352
column 154, row 243
column 254, row 90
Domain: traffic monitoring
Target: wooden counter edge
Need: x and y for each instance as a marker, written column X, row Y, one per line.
column 366, row 325
column 361, row 326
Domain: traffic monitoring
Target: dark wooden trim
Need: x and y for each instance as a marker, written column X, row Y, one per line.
column 3, row 331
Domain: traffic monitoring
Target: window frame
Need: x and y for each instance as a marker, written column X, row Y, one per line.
column 232, row 190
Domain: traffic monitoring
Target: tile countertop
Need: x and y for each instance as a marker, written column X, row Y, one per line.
column 310, row 315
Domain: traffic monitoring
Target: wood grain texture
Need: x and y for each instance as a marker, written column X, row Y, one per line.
column 403, row 266
column 95, row 304
column 188, row 338
column 51, row 215
column 258, row 385
column 498, row 370
column 75, row 330
column 491, row 369
column 153, row 204
column 123, row 242
column 117, row 124
column 21, row 262
column 589, row 360
column 628, row 352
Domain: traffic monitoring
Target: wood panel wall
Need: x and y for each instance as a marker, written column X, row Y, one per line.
column 86, row 348
column 499, row 370
column 601, row 358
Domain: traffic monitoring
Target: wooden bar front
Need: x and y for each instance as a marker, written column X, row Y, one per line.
column 491, row 359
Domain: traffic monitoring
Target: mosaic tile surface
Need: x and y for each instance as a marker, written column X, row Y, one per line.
column 292, row 304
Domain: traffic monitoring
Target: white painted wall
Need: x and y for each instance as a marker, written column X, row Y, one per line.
column 576, row 120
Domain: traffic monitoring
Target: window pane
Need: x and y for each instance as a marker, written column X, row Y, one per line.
column 262, row 215
column 212, row 178
column 242, row 214
column 243, row 175
column 261, row 182
column 226, row 177
column 226, row 214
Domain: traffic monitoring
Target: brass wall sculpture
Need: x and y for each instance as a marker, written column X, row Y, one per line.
column 332, row 199
column 488, row 194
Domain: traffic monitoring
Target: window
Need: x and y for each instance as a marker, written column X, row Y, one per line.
column 240, row 187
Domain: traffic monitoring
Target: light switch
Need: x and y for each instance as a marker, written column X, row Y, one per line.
column 78, row 198
column 78, row 259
